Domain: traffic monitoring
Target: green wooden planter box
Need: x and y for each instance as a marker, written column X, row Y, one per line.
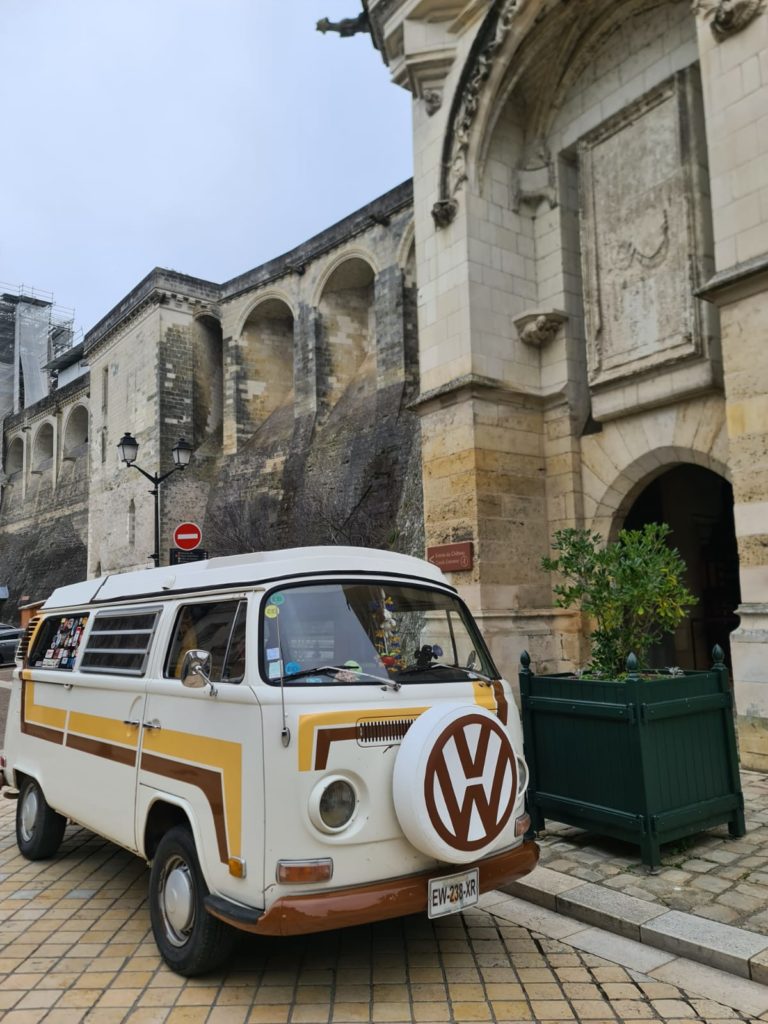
column 643, row 760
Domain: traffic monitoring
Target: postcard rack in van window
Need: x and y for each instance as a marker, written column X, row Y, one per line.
column 57, row 643
column 119, row 642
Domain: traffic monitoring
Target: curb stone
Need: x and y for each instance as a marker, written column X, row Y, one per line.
column 732, row 950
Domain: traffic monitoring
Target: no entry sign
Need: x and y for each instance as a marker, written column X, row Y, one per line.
column 187, row 536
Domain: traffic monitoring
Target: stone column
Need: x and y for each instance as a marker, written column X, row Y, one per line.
column 390, row 326
column 733, row 46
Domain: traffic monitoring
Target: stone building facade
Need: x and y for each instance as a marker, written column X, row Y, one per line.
column 591, row 223
column 292, row 382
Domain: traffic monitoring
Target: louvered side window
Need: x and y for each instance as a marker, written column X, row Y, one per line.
column 119, row 642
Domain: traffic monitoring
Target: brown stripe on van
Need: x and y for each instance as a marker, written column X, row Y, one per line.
column 206, row 780
column 100, row 748
column 325, row 737
column 502, row 708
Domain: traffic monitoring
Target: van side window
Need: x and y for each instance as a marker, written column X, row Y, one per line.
column 217, row 627
column 58, row 641
column 119, row 642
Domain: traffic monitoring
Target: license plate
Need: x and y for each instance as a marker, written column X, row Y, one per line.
column 452, row 893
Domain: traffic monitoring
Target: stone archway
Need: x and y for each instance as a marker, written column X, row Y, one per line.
column 697, row 503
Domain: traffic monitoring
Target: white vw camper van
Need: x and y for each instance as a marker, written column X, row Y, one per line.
column 295, row 740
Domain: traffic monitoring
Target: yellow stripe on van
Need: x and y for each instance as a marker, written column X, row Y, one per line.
column 99, row 728
column 224, row 755
column 484, row 696
column 41, row 714
column 309, row 724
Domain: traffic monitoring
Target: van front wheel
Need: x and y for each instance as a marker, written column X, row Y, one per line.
column 190, row 940
column 39, row 829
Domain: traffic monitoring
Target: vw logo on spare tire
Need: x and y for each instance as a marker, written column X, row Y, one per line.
column 455, row 783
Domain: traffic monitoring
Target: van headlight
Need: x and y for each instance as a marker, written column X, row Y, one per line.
column 332, row 804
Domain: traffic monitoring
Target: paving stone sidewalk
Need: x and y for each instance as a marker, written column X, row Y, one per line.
column 709, row 902
column 709, row 875
column 76, row 948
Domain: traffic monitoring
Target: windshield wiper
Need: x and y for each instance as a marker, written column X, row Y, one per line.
column 325, row 669
column 471, row 672
column 332, row 670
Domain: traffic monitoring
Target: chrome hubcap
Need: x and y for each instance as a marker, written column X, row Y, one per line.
column 29, row 809
column 177, row 901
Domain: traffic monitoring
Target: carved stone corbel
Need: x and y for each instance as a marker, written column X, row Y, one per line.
column 537, row 329
column 433, row 100
column 443, row 212
column 727, row 17
column 534, row 180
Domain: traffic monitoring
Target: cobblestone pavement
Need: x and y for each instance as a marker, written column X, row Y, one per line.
column 75, row 945
column 710, row 875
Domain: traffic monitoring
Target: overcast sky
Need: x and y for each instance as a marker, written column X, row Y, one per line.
column 206, row 136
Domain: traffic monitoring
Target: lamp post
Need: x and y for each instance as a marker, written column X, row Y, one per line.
column 128, row 447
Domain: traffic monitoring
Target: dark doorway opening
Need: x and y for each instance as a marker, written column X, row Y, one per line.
column 698, row 506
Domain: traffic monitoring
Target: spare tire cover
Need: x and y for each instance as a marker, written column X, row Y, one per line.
column 455, row 783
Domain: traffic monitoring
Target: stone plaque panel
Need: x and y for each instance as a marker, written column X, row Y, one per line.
column 643, row 234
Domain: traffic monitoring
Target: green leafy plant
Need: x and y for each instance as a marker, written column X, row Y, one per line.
column 632, row 589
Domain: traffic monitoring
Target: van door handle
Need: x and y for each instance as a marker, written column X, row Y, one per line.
column 154, row 724
column 127, row 721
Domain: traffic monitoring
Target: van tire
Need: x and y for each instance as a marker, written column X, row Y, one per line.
column 190, row 940
column 39, row 829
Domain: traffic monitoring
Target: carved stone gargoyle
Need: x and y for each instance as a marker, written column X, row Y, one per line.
column 727, row 17
column 537, row 328
column 345, row 27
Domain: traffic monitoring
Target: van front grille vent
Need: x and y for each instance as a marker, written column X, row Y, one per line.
column 382, row 731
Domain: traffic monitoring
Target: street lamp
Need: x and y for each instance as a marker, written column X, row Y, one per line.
column 128, row 447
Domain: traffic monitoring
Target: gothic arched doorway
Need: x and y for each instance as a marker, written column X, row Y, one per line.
column 698, row 506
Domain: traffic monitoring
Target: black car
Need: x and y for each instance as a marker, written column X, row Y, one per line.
column 9, row 641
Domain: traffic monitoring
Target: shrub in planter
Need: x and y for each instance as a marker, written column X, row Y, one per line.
column 648, row 757
column 633, row 590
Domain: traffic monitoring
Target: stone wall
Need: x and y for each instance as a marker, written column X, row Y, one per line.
column 588, row 176
column 292, row 383
column 44, row 504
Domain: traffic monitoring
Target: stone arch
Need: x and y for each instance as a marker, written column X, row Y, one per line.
column 43, row 448
column 347, row 327
column 76, row 432
column 618, row 498
column 272, row 292
column 14, row 457
column 267, row 354
column 350, row 252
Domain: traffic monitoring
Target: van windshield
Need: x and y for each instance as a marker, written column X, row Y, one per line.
column 337, row 633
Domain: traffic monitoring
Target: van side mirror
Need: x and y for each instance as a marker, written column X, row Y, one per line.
column 196, row 671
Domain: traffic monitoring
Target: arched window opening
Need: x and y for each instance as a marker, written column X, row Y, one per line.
column 132, row 523
column 348, row 330
column 42, row 449
column 14, row 459
column 208, row 377
column 76, row 433
column 267, row 371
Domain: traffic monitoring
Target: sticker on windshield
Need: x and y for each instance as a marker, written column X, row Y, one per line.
column 273, row 653
column 271, row 612
column 275, row 669
column 277, row 599
column 291, row 667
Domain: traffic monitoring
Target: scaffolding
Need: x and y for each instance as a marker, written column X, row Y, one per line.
column 33, row 331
